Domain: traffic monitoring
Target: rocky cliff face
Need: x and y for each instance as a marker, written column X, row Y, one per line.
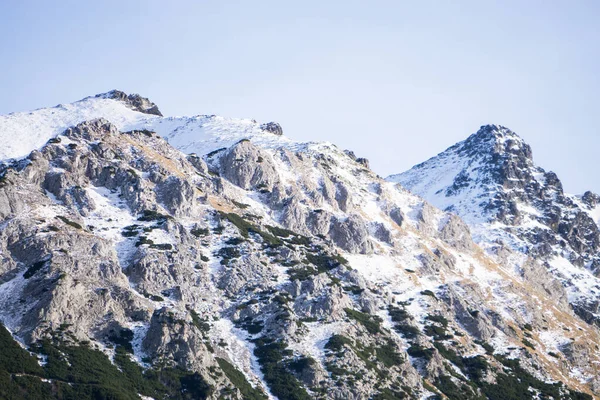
column 491, row 181
column 217, row 258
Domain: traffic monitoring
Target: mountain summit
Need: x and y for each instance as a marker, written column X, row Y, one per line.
column 205, row 257
column 22, row 132
column 135, row 101
column 474, row 177
column 491, row 181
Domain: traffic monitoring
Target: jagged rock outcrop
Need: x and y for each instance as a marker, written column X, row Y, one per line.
column 173, row 340
column 590, row 199
column 134, row 101
column 248, row 167
column 254, row 266
column 272, row 127
column 457, row 234
column 351, row 234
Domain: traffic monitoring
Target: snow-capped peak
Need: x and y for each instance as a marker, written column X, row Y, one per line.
column 134, row 101
column 468, row 177
column 23, row 132
column 490, row 181
column 495, row 139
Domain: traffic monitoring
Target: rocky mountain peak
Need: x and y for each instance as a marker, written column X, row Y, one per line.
column 491, row 181
column 474, row 177
column 133, row 101
column 272, row 127
column 212, row 258
column 496, row 132
column 496, row 139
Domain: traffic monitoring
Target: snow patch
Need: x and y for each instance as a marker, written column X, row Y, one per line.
column 314, row 341
column 240, row 351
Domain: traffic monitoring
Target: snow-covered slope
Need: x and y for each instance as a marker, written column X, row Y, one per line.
column 203, row 134
column 491, row 181
column 22, row 132
column 294, row 262
column 468, row 177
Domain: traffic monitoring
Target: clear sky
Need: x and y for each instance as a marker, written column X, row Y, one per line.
column 395, row 81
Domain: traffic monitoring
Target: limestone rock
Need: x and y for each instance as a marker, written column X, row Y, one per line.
column 272, row 127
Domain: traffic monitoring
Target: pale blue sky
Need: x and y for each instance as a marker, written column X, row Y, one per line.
column 395, row 81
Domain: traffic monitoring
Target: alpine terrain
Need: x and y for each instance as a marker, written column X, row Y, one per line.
column 153, row 257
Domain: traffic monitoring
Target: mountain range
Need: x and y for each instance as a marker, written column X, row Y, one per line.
column 153, row 257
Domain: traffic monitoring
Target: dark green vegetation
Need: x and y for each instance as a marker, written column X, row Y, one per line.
column 251, row 326
column 372, row 323
column 528, row 343
column 437, row 332
column 234, row 241
column 243, row 206
column 123, row 339
column 401, row 319
column 79, row 372
column 302, row 273
column 390, row 394
column 337, row 342
column 302, row 363
column 199, row 232
column 144, row 132
column 315, row 264
column 130, row 231
column 376, row 358
column 452, row 390
column 326, row 262
column 198, row 322
column 418, row 351
column 228, row 253
column 275, row 236
column 388, row 356
column 489, row 349
column 429, row 293
column 316, row 259
column 13, row 359
column 246, row 228
column 239, row 381
column 153, row 297
column 512, row 383
column 271, row 357
column 162, row 246
column 439, row 319
column 212, row 153
column 151, row 215
column 142, row 240
column 69, row 222
column 354, row 289
column 291, row 237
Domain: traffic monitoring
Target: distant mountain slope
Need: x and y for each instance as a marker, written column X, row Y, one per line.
column 491, row 181
column 207, row 257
